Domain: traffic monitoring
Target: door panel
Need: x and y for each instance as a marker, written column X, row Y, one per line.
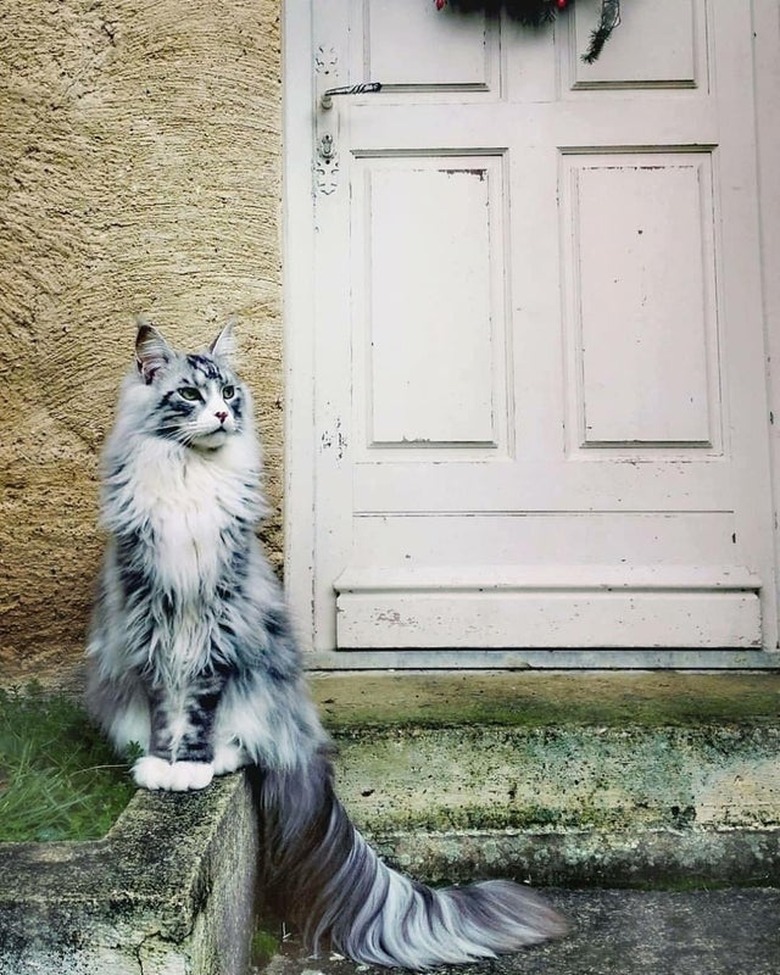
column 463, row 57
column 421, row 292
column 538, row 341
column 644, row 270
column 640, row 54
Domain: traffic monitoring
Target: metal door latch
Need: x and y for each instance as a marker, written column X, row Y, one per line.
column 326, row 150
column 364, row 88
column 326, row 164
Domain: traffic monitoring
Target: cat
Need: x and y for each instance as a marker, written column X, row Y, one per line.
column 192, row 656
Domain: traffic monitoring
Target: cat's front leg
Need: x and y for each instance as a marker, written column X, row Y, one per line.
column 181, row 751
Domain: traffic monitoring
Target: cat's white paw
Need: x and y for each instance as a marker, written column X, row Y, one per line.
column 151, row 772
column 229, row 758
column 190, row 775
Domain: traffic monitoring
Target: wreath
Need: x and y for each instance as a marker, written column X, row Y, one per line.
column 533, row 13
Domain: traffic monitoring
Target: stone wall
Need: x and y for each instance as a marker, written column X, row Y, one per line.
column 140, row 171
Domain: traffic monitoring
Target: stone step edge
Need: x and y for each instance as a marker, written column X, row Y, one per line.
column 646, row 859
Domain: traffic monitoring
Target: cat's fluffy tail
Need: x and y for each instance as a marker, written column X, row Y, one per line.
column 322, row 875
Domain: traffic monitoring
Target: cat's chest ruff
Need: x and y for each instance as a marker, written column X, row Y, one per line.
column 188, row 508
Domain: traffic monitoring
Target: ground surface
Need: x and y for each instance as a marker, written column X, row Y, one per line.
column 726, row 932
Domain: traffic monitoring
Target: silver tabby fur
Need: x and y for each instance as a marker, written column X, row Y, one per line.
column 193, row 657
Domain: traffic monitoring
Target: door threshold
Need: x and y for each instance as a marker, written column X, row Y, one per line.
column 537, row 659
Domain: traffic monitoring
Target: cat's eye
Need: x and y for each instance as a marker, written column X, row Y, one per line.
column 228, row 392
column 189, row 393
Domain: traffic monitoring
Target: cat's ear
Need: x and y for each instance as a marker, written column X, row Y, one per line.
column 224, row 345
column 152, row 352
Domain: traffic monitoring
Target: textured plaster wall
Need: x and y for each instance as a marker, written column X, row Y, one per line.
column 139, row 172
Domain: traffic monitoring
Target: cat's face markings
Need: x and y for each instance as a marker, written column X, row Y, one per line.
column 200, row 401
column 201, row 408
column 204, row 366
column 214, row 387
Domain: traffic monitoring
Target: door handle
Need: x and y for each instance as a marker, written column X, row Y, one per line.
column 326, row 163
column 364, row 88
column 326, row 156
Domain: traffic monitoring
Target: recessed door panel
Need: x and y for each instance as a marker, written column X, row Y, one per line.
column 644, row 273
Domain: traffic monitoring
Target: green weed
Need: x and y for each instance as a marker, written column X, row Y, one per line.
column 59, row 780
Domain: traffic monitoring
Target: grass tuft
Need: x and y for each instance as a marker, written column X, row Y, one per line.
column 59, row 780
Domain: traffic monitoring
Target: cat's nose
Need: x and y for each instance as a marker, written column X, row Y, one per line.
column 221, row 416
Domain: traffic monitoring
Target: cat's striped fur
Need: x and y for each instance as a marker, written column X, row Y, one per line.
column 192, row 657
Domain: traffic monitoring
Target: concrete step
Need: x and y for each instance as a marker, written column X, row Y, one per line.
column 615, row 932
column 668, row 782
column 647, row 780
column 170, row 889
column 627, row 779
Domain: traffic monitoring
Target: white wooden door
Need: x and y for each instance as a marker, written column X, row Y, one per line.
column 536, row 347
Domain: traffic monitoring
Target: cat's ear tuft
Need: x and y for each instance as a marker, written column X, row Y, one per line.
column 225, row 345
column 152, row 352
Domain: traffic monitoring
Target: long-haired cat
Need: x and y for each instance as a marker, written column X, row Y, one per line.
column 193, row 657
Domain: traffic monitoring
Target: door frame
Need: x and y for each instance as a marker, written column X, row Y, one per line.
column 766, row 33
column 299, row 307
column 298, row 314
